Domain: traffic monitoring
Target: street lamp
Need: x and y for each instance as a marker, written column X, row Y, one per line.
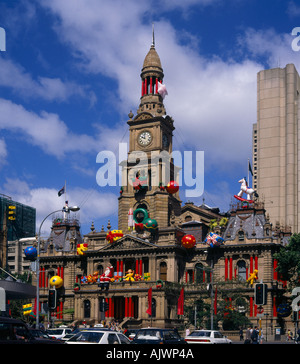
column 64, row 209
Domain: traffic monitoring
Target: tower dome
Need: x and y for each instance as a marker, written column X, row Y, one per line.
column 151, row 75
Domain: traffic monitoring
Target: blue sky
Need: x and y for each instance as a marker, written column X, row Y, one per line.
column 71, row 74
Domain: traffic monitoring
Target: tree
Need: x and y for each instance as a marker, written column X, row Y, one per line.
column 288, row 259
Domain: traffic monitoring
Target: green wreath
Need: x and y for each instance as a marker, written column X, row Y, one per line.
column 144, row 212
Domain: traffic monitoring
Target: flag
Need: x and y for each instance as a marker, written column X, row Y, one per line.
column 180, row 308
column 250, row 169
column 215, row 302
column 61, row 191
column 149, row 310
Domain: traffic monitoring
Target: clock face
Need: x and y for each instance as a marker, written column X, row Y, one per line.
column 165, row 141
column 145, row 138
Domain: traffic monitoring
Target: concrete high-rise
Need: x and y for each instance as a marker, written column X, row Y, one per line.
column 276, row 145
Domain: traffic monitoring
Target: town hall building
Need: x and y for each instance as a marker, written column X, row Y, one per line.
column 147, row 250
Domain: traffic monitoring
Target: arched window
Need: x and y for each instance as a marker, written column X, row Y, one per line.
column 163, row 271
column 200, row 273
column 241, row 235
column 241, row 267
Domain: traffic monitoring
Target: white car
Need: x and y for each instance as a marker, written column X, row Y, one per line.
column 98, row 337
column 207, row 337
column 59, row 332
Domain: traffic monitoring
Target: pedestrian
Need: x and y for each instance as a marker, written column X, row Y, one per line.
column 187, row 332
column 254, row 336
column 248, row 336
column 261, row 336
column 241, row 335
column 289, row 335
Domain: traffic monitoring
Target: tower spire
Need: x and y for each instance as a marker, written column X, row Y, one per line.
column 153, row 40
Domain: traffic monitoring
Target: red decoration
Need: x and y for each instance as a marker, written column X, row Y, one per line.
column 139, row 227
column 172, row 187
column 188, row 241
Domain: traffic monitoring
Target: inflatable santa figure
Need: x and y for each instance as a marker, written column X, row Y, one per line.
column 106, row 277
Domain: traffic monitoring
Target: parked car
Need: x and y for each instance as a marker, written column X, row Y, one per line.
column 152, row 335
column 59, row 332
column 207, row 337
column 14, row 331
column 40, row 334
column 98, row 337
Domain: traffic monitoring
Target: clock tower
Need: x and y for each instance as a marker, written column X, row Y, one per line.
column 149, row 167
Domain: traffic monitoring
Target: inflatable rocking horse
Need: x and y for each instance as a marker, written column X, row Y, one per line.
column 245, row 189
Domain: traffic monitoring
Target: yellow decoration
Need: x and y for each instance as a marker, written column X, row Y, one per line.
column 81, row 248
column 129, row 276
column 253, row 276
column 146, row 276
column 56, row 282
column 27, row 309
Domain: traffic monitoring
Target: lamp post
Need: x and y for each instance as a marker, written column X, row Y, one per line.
column 66, row 209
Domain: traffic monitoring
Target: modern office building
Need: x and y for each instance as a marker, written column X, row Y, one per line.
column 276, row 145
column 16, row 221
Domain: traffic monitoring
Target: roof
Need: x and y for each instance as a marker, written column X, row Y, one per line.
column 152, row 59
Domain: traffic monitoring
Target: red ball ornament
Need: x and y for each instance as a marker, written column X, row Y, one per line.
column 172, row 187
column 188, row 241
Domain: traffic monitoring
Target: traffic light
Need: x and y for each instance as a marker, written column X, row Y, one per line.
column 260, row 294
column 11, row 212
column 104, row 306
column 52, row 299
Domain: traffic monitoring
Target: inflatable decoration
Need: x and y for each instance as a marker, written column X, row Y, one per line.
column 81, row 248
column 130, row 219
column 172, row 187
column 284, row 310
column 56, row 281
column 140, row 215
column 106, row 277
column 139, row 228
column 213, row 240
column 137, row 277
column 27, row 309
column 245, row 189
column 30, row 253
column 150, row 224
column 114, row 235
column 188, row 241
column 130, row 275
column 159, row 283
column 118, row 277
column 253, row 276
column 140, row 182
column 161, row 186
column 76, row 287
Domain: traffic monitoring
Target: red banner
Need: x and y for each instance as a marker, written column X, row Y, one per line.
column 149, row 310
column 180, row 309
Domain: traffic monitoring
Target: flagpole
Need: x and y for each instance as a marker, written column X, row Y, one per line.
column 248, row 173
column 65, row 191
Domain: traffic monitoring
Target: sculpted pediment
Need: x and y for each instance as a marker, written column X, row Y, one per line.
column 129, row 242
column 143, row 116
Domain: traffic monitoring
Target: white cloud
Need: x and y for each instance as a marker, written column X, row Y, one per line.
column 51, row 134
column 214, row 97
column 21, row 82
column 91, row 202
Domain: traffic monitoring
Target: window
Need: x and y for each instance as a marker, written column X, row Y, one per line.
column 163, row 271
column 112, row 339
column 241, row 265
column 241, row 235
column 200, row 273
